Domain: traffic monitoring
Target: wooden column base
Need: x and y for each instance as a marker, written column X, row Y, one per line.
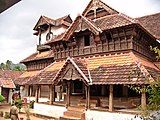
column 37, row 93
column 51, row 95
column 143, row 101
column 111, row 98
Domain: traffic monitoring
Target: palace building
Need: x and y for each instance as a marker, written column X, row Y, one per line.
column 92, row 61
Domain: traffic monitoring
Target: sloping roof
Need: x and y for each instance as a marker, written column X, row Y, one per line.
column 25, row 77
column 5, row 4
column 7, row 77
column 98, row 3
column 47, row 75
column 56, row 38
column 10, row 74
column 39, row 55
column 151, row 23
column 60, row 21
column 124, row 68
column 114, row 21
column 7, row 83
column 157, row 64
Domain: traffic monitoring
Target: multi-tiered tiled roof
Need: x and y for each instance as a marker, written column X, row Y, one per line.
column 109, row 68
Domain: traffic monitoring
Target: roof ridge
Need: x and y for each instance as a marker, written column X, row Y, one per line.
column 148, row 15
column 96, row 27
column 133, row 20
column 104, row 5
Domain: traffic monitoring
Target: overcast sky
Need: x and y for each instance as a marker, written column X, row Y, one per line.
column 16, row 24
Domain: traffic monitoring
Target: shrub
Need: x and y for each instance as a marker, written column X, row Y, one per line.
column 1, row 98
column 7, row 115
column 18, row 103
column 31, row 104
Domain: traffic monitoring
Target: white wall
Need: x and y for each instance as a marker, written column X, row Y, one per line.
column 98, row 115
column 49, row 110
column 10, row 96
column 24, row 91
column 54, row 30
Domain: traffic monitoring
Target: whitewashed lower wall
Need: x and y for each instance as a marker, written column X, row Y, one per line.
column 98, row 115
column 49, row 110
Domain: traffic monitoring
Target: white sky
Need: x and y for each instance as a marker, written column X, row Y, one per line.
column 16, row 24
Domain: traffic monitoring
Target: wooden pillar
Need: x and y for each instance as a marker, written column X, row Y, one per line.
column 30, row 91
column 103, row 90
column 68, row 94
column 39, row 92
column 111, row 98
column 125, row 91
column 87, row 97
column 36, row 95
column 143, row 100
column 52, row 94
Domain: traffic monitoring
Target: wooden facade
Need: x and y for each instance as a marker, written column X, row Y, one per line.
column 93, row 60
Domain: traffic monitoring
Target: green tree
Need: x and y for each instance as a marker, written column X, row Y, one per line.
column 17, row 68
column 2, row 66
column 9, row 65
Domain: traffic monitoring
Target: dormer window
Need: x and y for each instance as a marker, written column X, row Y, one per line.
column 86, row 40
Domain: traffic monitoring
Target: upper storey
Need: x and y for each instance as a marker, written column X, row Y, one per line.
column 48, row 29
column 99, row 30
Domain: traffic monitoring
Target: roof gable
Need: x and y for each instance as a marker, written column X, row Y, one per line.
column 71, row 71
column 80, row 24
column 65, row 20
column 98, row 6
column 43, row 20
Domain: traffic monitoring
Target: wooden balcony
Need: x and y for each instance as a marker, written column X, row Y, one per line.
column 43, row 47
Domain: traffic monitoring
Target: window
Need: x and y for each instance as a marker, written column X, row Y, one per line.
column 86, row 40
column 108, row 36
column 49, row 36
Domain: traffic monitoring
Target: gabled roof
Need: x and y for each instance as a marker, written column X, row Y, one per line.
column 79, row 67
column 94, row 4
column 39, row 56
column 65, row 20
column 151, row 23
column 44, row 20
column 7, row 78
column 81, row 23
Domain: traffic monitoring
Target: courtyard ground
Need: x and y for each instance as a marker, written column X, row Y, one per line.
column 6, row 108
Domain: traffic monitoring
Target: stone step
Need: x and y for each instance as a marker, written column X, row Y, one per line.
column 73, row 114
column 78, row 108
column 69, row 118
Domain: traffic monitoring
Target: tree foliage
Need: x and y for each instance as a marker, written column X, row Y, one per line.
column 9, row 65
